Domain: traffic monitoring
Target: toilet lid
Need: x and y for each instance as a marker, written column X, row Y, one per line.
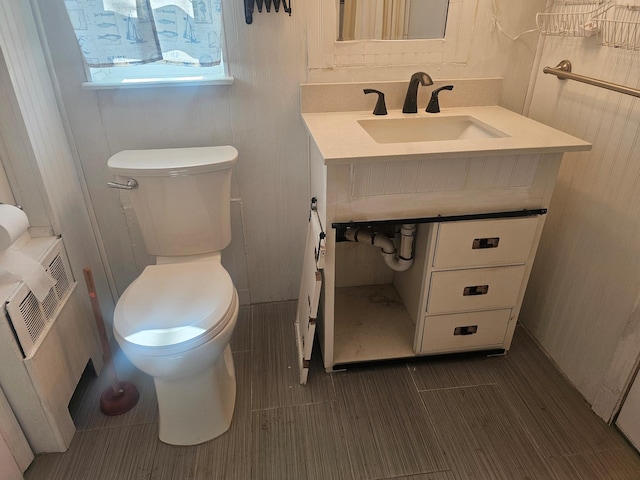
column 174, row 303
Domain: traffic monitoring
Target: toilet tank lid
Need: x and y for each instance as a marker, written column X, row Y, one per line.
column 172, row 161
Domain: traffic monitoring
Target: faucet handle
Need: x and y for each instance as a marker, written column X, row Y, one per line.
column 434, row 104
column 380, row 108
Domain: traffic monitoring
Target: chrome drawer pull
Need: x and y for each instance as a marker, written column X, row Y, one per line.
column 475, row 290
column 490, row 242
column 130, row 185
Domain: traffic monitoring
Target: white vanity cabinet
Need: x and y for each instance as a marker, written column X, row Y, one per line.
column 479, row 206
column 472, row 259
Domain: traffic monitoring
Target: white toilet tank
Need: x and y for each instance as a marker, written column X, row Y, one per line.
column 182, row 200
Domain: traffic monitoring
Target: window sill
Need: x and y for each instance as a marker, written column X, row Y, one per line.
column 112, row 83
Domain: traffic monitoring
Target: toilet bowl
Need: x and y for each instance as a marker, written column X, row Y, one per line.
column 174, row 322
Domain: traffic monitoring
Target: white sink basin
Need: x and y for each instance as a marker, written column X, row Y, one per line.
column 428, row 129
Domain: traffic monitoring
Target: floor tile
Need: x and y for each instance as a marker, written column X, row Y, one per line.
column 456, row 371
column 299, row 442
column 173, row 463
column 448, row 475
column 482, row 436
column 123, row 453
column 619, row 464
column 85, row 456
column 129, row 452
column 47, row 466
column 275, row 375
column 241, row 339
column 559, row 419
column 386, row 428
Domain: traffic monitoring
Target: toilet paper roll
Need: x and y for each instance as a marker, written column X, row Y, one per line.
column 13, row 223
column 26, row 269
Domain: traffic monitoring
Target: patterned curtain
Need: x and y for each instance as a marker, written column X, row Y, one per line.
column 125, row 32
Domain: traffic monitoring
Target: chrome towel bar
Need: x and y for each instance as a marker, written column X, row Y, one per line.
column 563, row 72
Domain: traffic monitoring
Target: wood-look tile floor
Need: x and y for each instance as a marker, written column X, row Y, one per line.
column 450, row 418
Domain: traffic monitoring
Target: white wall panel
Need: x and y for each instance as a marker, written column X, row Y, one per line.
column 586, row 277
column 17, row 156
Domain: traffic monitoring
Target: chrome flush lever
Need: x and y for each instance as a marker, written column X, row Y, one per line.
column 131, row 184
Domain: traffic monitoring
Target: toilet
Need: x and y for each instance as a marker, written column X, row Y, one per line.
column 175, row 320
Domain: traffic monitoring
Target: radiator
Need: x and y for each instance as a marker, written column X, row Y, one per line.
column 31, row 319
column 44, row 347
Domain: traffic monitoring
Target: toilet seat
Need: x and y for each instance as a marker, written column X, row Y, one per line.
column 175, row 307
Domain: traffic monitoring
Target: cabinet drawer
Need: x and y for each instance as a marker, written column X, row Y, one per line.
column 465, row 331
column 484, row 242
column 474, row 289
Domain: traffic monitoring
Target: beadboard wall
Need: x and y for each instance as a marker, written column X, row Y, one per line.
column 35, row 150
column 259, row 115
column 582, row 299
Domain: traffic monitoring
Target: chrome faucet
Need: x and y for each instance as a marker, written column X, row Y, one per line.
column 411, row 100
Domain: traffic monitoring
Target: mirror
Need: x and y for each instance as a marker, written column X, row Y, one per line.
column 392, row 19
column 328, row 58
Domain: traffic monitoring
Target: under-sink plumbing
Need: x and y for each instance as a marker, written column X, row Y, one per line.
column 399, row 259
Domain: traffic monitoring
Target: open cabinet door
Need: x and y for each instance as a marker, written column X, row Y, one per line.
column 310, row 285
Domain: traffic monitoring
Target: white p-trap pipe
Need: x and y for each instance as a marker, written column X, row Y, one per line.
column 396, row 260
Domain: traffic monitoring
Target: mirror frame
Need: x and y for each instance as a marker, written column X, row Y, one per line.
column 325, row 51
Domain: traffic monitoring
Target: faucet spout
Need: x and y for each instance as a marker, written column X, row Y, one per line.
column 411, row 99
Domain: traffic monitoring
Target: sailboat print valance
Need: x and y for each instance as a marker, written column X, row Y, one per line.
column 121, row 32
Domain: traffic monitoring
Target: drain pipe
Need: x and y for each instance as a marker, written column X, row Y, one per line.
column 396, row 260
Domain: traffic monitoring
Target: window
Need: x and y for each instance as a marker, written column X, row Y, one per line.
column 141, row 42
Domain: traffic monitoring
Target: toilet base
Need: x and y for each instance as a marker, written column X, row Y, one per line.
column 199, row 407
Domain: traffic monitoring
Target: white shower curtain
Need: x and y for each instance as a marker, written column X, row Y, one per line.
column 375, row 19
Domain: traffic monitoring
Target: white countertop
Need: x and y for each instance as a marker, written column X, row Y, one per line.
column 341, row 139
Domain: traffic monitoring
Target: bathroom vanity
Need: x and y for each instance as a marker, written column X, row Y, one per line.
column 476, row 182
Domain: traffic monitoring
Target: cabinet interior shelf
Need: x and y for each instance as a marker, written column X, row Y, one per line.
column 371, row 323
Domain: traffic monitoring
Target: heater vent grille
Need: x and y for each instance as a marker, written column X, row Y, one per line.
column 30, row 318
column 57, row 271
